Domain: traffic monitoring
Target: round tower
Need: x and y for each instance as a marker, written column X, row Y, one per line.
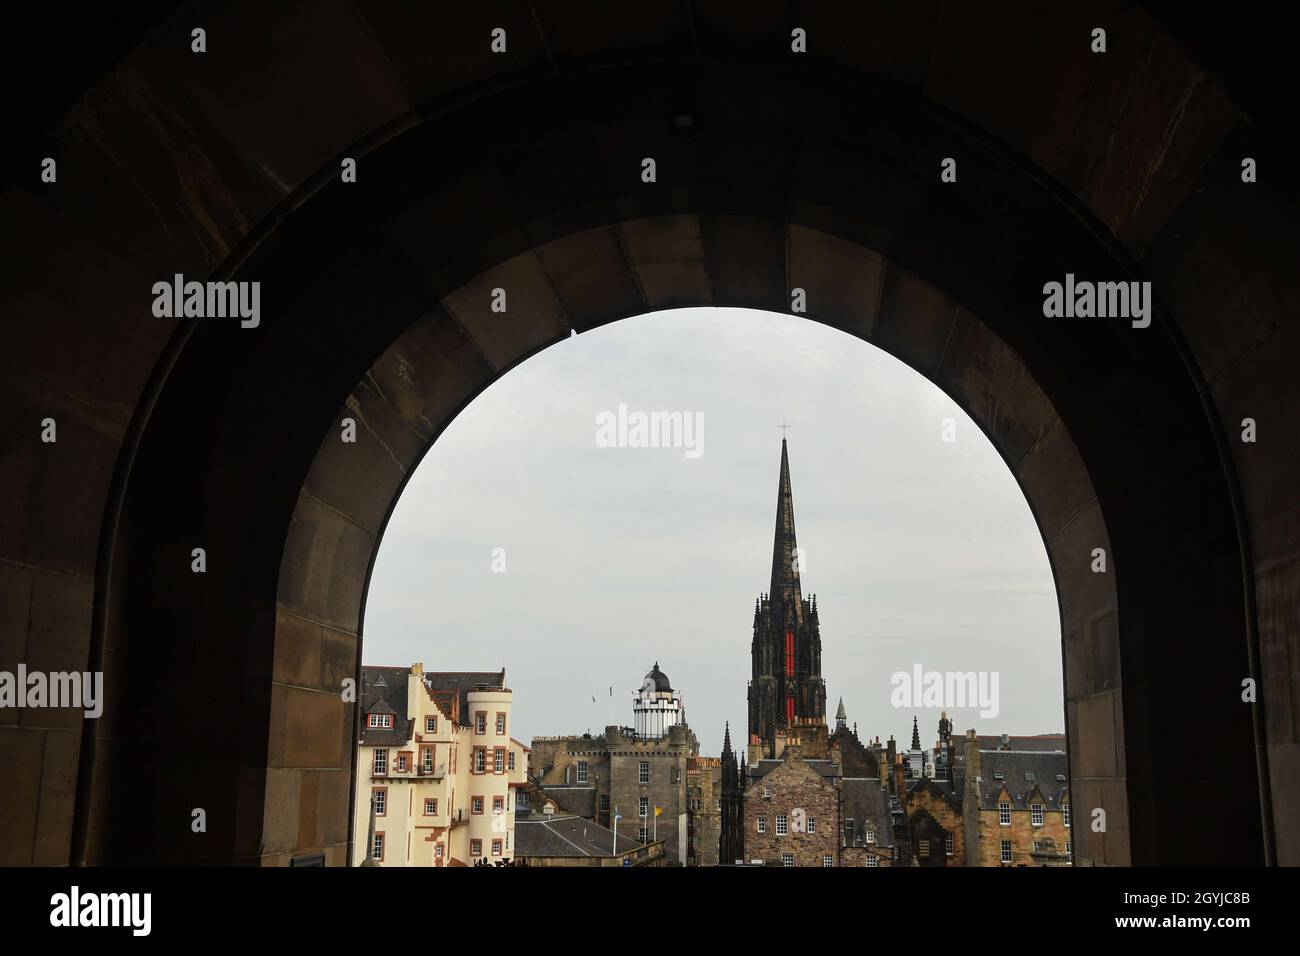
column 657, row 707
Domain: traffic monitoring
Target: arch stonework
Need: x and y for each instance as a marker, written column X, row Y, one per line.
column 481, row 170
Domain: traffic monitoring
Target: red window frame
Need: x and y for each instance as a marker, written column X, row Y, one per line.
column 476, row 805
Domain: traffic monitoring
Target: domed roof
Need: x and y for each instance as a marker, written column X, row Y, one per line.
column 660, row 679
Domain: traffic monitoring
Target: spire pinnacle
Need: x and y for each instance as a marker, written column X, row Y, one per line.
column 916, row 734
column 787, row 600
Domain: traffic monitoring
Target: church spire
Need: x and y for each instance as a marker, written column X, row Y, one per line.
column 841, row 718
column 786, row 597
column 916, row 734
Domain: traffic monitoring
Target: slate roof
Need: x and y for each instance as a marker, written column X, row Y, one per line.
column 1013, row 765
column 464, row 682
column 867, row 805
column 577, row 799
column 567, row 837
column 383, row 691
column 827, row 768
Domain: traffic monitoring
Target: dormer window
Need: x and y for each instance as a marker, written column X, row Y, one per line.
column 384, row 721
column 1004, row 814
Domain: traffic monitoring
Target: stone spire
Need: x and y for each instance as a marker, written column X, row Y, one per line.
column 916, row 734
column 786, row 597
column 841, row 718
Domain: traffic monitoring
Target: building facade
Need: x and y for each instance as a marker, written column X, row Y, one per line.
column 437, row 769
column 629, row 781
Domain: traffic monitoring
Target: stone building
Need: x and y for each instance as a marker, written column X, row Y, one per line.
column 1017, row 807
column 629, row 780
column 985, row 803
column 437, row 769
column 703, row 805
column 786, row 805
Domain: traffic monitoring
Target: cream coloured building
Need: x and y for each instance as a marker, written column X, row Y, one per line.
column 437, row 758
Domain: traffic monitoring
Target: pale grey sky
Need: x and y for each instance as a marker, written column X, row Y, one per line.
column 920, row 551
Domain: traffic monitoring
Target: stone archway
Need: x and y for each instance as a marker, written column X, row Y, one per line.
column 820, row 174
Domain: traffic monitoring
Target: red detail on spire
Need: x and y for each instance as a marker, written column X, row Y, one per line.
column 789, row 653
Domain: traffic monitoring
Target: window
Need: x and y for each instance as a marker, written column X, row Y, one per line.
column 377, row 851
column 762, row 824
column 1036, row 814
column 510, row 762
column 475, row 847
column 480, row 722
column 401, row 763
column 872, row 861
column 1038, row 846
column 522, row 799
column 426, row 759
column 947, row 844
column 381, row 762
column 643, row 833
column 496, row 847
column 480, row 760
column 782, row 825
column 812, row 825
column 643, row 807
column 501, row 725
column 583, row 771
column 437, row 851
column 871, row 836
column 431, row 725
column 1004, row 814
column 604, row 803
column 923, row 849
column 828, row 861
column 381, row 720
column 1066, row 810
column 767, row 793
column 499, row 761
column 431, row 806
column 644, row 772
column 498, row 805
column 787, row 859
column 1006, row 851
column 1069, row 847
column 475, row 804
column 381, row 801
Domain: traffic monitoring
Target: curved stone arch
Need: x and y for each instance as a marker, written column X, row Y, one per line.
column 714, row 230
column 333, row 531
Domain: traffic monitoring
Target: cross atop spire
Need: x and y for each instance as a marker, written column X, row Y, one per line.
column 783, row 426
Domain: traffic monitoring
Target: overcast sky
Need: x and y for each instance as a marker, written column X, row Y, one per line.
column 920, row 551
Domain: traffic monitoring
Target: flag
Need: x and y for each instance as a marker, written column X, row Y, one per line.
column 658, row 810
